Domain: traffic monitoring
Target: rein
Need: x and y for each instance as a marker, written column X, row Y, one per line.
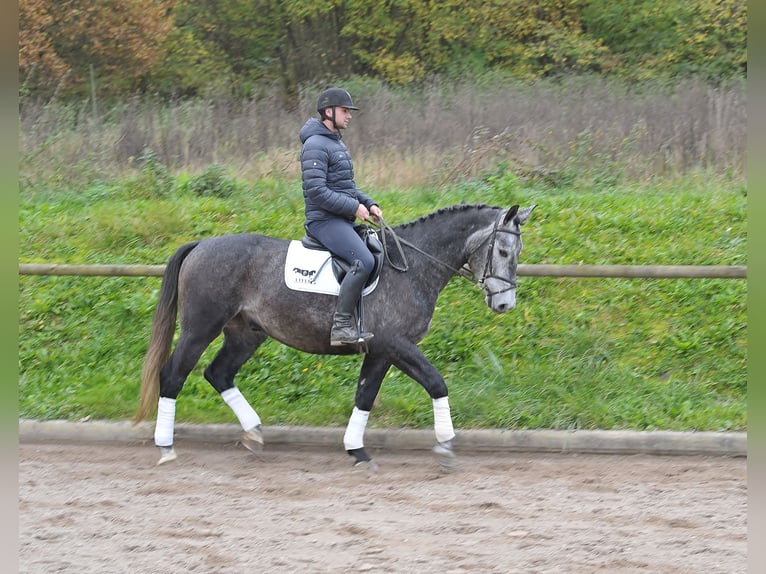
column 462, row 272
column 403, row 269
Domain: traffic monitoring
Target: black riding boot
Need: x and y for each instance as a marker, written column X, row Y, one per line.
column 344, row 327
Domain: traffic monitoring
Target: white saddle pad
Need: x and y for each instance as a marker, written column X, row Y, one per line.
column 311, row 270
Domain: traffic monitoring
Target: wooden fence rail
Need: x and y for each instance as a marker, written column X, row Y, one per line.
column 530, row 270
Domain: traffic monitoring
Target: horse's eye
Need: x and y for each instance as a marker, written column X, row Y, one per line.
column 503, row 252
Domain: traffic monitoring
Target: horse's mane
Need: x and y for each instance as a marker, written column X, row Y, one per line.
column 450, row 209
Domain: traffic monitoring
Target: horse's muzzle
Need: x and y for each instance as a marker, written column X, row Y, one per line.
column 501, row 302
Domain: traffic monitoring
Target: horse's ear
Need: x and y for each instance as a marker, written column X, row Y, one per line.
column 510, row 214
column 523, row 215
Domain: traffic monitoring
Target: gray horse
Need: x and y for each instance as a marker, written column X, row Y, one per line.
column 235, row 284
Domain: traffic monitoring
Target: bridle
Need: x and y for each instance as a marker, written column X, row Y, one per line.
column 464, row 271
column 488, row 272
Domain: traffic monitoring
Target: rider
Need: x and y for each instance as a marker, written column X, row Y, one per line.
column 333, row 202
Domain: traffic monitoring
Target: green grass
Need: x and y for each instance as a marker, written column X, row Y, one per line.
column 575, row 353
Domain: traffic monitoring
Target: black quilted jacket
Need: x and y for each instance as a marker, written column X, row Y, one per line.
column 328, row 175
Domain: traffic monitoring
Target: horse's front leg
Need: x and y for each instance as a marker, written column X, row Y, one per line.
column 367, row 388
column 412, row 362
column 444, row 431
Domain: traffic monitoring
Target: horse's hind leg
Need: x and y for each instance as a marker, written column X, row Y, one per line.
column 240, row 342
column 367, row 388
column 172, row 377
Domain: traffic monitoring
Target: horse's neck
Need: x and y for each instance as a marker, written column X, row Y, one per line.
column 444, row 235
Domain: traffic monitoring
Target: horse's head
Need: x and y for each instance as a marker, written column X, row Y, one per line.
column 495, row 266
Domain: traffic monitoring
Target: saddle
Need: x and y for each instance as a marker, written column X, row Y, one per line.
column 341, row 267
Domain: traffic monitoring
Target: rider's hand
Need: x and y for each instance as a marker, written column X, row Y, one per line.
column 376, row 213
column 362, row 213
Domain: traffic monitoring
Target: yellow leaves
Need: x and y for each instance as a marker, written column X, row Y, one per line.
column 402, row 69
column 36, row 50
column 301, row 10
column 121, row 39
column 716, row 31
column 534, row 38
column 406, row 39
column 132, row 43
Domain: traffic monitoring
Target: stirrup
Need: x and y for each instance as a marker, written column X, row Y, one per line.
column 358, row 340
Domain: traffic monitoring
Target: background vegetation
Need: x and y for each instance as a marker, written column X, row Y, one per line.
column 147, row 123
column 639, row 354
column 436, row 134
column 192, row 47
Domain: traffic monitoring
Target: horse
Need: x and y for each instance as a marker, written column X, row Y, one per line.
column 234, row 284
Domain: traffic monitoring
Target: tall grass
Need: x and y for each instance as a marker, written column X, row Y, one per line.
column 439, row 133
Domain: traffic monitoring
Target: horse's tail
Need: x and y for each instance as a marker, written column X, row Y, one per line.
column 163, row 328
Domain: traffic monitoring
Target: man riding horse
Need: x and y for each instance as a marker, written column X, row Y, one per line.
column 236, row 285
column 333, row 202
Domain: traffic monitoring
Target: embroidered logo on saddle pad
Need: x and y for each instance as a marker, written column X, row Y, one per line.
column 311, row 270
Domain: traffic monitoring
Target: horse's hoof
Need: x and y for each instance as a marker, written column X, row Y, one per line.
column 252, row 440
column 359, row 454
column 167, row 454
column 368, row 466
column 362, row 460
column 445, row 455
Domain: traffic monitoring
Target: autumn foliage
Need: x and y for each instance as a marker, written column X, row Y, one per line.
column 120, row 41
column 184, row 47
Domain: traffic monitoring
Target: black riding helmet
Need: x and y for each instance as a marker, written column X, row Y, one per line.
column 334, row 97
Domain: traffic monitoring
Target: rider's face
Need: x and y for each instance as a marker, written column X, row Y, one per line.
column 342, row 117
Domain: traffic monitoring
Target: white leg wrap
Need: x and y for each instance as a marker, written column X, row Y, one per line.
column 354, row 437
column 166, row 416
column 443, row 420
column 247, row 416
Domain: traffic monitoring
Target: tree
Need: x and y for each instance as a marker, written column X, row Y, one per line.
column 537, row 38
column 190, row 67
column 115, row 42
column 38, row 60
column 184, row 47
column 652, row 38
column 406, row 40
column 714, row 39
column 389, row 39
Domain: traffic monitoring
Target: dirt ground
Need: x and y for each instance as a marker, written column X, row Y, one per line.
column 107, row 508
